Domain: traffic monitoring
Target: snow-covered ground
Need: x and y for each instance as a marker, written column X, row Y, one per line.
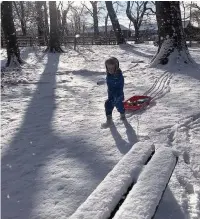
column 54, row 153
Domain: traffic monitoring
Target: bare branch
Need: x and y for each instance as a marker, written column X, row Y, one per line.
column 18, row 14
column 154, row 12
column 91, row 13
column 194, row 5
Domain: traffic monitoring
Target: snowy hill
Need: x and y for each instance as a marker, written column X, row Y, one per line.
column 54, row 152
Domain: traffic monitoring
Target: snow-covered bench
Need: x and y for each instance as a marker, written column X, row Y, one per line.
column 144, row 198
column 103, row 200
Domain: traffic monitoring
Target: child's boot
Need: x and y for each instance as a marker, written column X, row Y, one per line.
column 108, row 121
column 109, row 118
column 122, row 116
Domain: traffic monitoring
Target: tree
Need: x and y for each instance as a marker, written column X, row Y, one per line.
column 137, row 18
column 64, row 20
column 195, row 14
column 77, row 19
column 13, row 52
column 94, row 13
column 194, row 5
column 21, row 15
column 172, row 44
column 115, row 23
column 95, row 17
column 25, row 13
column 54, row 42
column 46, row 22
column 106, row 24
column 40, row 22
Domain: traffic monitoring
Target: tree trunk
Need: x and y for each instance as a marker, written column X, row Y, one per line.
column 21, row 16
column 95, row 18
column 59, row 26
column 106, row 25
column 139, row 18
column 13, row 52
column 40, row 22
column 172, row 44
column 23, row 22
column 64, row 23
column 137, row 34
column 59, row 21
column 115, row 23
column 46, row 23
column 54, row 43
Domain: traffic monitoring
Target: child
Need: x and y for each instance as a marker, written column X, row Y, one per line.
column 115, row 83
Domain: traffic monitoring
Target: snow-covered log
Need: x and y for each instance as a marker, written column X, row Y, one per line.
column 106, row 196
column 143, row 199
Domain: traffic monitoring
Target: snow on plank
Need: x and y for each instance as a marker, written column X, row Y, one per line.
column 144, row 198
column 106, row 196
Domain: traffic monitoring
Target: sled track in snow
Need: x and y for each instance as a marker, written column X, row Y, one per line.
column 160, row 86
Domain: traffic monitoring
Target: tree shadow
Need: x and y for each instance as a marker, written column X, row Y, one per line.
column 121, row 144
column 191, row 70
column 94, row 76
column 131, row 49
column 36, row 145
column 18, row 178
column 169, row 208
column 88, row 73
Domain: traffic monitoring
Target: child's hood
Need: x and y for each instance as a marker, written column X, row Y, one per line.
column 116, row 61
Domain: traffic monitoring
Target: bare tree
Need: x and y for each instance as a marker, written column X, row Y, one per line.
column 115, row 23
column 25, row 13
column 172, row 44
column 137, row 17
column 77, row 19
column 106, row 24
column 185, row 7
column 94, row 13
column 194, row 5
column 195, row 13
column 95, row 17
column 117, row 3
column 64, row 19
column 46, row 22
column 59, row 22
column 40, row 22
column 21, row 15
column 54, row 42
column 13, row 53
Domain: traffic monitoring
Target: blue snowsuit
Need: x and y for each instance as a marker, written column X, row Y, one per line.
column 115, row 83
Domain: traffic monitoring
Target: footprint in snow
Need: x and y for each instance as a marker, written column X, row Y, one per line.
column 189, row 188
column 186, row 157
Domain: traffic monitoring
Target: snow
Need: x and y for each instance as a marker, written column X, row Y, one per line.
column 143, row 199
column 54, row 153
column 103, row 200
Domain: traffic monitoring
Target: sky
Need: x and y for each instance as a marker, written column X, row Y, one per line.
column 122, row 12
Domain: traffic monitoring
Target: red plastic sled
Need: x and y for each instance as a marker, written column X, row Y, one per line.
column 137, row 102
